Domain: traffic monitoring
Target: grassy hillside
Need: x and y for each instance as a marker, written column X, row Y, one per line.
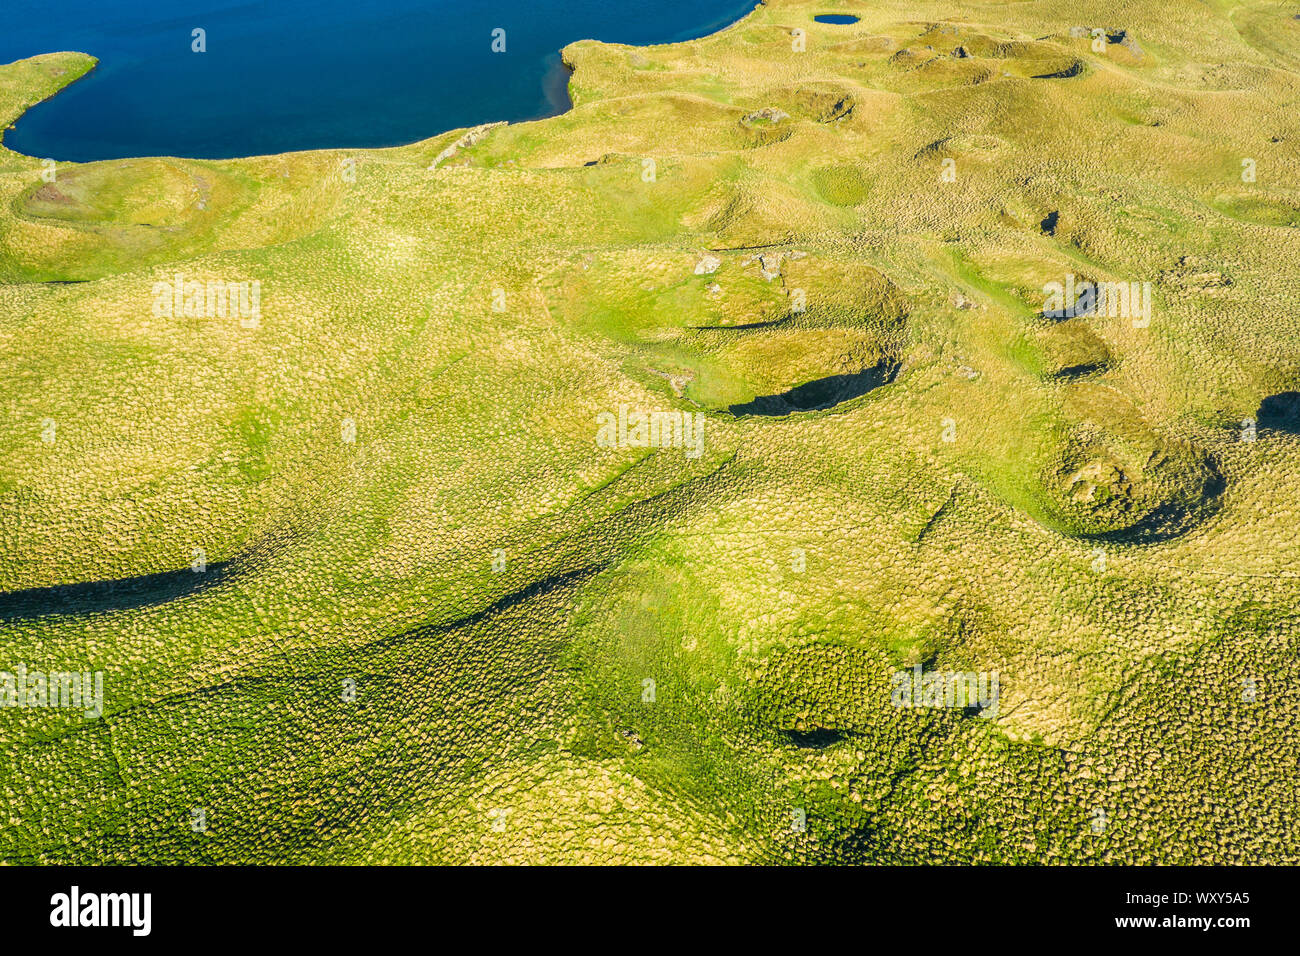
column 365, row 587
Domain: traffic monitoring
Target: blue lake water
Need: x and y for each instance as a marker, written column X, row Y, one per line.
column 282, row 75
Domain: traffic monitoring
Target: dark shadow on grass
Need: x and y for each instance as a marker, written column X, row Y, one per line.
column 537, row 589
column 1074, row 69
column 814, row 739
column 1083, row 370
column 95, row 597
column 821, row 393
column 1280, row 412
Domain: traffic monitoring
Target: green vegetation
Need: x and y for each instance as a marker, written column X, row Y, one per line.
column 435, row 621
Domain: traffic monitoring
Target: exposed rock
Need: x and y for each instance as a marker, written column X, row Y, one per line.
column 1124, row 39
column 768, row 114
column 708, row 264
column 771, row 263
column 471, row 138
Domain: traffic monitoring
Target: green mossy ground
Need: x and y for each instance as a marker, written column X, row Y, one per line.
column 1095, row 531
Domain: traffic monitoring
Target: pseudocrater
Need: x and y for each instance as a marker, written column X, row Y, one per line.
column 1112, row 488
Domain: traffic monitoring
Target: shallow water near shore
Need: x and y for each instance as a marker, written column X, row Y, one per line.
column 311, row 75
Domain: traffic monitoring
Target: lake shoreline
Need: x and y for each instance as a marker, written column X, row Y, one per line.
column 552, row 84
